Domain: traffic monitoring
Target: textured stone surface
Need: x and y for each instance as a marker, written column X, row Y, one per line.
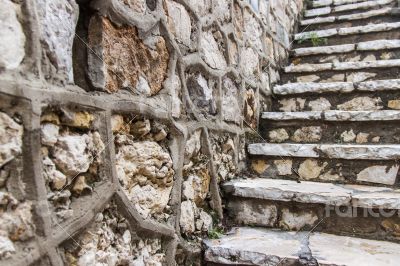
column 361, row 104
column 348, row 152
column 11, row 32
column 369, row 28
column 126, row 61
column 317, row 12
column 379, row 85
column 250, row 246
column 353, row 251
column 297, row 88
column 311, row 169
column 378, row 45
column 230, row 101
column 211, row 51
column 109, row 240
column 308, row 68
column 379, row 174
column 320, row 104
column 145, row 172
column 250, row 213
column 344, row 48
column 286, row 190
column 307, row 134
column 57, row 27
column 278, row 135
column 10, row 139
column 367, row 14
column 362, row 5
column 297, row 221
column 179, row 22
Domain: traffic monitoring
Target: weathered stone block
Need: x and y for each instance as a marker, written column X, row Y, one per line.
column 12, row 45
column 119, row 58
column 58, row 19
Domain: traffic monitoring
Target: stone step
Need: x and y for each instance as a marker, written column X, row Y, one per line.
column 308, row 192
column 326, row 10
column 346, row 48
column 334, row 116
column 331, row 151
column 366, row 106
column 256, row 246
column 350, row 17
column 323, row 3
column 342, row 66
column 347, row 31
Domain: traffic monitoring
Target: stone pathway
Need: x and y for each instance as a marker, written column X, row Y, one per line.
column 324, row 187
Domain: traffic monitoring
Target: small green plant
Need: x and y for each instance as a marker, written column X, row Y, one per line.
column 216, row 233
column 314, row 39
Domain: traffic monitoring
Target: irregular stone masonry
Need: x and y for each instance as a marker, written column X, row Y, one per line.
column 120, row 119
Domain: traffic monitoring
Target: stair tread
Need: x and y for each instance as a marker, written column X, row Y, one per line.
column 258, row 246
column 324, row 87
column 340, row 18
column 334, row 115
column 345, row 48
column 332, row 151
column 341, row 66
column 348, row 30
column 315, row 193
column 325, row 10
column 322, row 3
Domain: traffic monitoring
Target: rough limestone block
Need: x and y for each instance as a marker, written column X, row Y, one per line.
column 179, row 22
column 380, row 174
column 211, row 51
column 297, row 88
column 119, row 59
column 317, row 12
column 369, row 28
column 248, row 212
column 318, row 20
column 378, row 45
column 12, row 45
column 344, row 48
column 364, row 15
column 308, row 68
column 58, row 19
column 296, row 221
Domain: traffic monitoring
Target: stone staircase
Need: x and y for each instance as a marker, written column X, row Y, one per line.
column 323, row 189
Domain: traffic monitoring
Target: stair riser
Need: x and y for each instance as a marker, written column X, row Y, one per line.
column 368, row 101
column 337, row 76
column 271, row 214
column 349, row 23
column 355, row 56
column 388, row 132
column 354, row 38
column 368, row 172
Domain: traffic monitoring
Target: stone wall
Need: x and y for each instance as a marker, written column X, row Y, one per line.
column 120, row 118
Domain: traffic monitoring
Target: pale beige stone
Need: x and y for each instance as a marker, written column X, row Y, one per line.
column 362, row 138
column 364, row 103
column 259, row 166
column 307, row 134
column 320, row 104
column 348, row 136
column 278, row 135
column 311, row 169
column 394, row 104
column 284, row 167
column 296, row 221
column 292, row 104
